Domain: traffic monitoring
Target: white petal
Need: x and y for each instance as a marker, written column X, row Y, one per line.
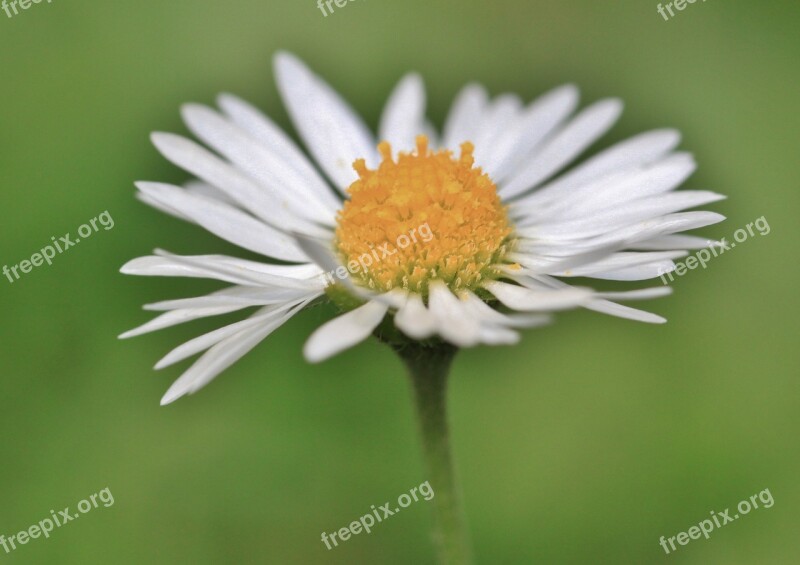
column 530, row 252
column 618, row 261
column 608, row 191
column 395, row 298
column 539, row 259
column 209, row 191
column 637, row 273
column 564, row 146
column 621, row 215
column 228, row 269
column 494, row 326
column 176, row 317
column 482, row 311
column 221, row 356
column 453, row 320
column 669, row 224
column 464, row 116
column 628, row 155
column 429, row 130
column 606, row 307
column 653, row 227
column 257, row 124
column 403, row 117
column 226, row 222
column 324, row 256
column 264, row 202
column 203, row 342
column 304, row 277
column 620, row 311
column 502, row 113
column 343, row 332
column 151, row 266
column 161, row 207
column 414, row 319
column 640, row 294
column 677, row 242
column 497, row 335
column 280, row 181
column 537, row 121
column 332, row 131
column 235, row 295
column 526, row 300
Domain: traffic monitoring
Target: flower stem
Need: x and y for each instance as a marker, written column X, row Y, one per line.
column 428, row 368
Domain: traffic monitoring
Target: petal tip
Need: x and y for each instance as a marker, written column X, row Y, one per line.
column 171, row 396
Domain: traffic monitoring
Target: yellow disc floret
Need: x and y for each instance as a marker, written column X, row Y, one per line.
column 427, row 216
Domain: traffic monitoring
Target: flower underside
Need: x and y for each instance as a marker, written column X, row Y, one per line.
column 426, row 216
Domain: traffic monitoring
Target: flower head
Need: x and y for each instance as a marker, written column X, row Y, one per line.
column 456, row 201
column 463, row 238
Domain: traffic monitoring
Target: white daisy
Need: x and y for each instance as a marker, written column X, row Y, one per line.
column 508, row 223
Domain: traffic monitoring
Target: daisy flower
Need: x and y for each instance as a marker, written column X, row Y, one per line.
column 512, row 222
column 507, row 228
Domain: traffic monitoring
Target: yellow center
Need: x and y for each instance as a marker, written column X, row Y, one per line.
column 427, row 216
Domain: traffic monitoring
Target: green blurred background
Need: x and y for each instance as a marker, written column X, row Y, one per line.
column 584, row 444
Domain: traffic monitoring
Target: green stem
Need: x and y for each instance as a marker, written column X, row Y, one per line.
column 428, row 368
